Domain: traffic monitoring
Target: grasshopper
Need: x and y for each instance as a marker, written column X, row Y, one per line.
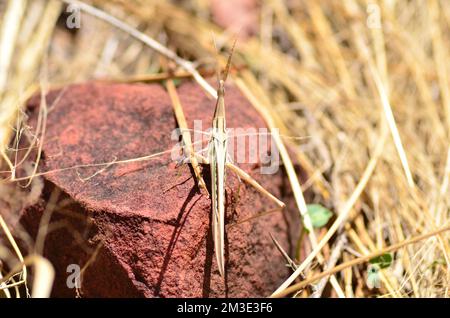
column 218, row 162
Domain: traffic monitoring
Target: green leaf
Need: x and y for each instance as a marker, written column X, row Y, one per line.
column 176, row 82
column 439, row 261
column 319, row 215
column 384, row 260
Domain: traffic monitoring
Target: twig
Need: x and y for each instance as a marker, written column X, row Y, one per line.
column 186, row 136
column 13, row 243
column 155, row 45
column 361, row 260
column 392, row 126
column 337, row 250
column 289, row 260
column 10, row 30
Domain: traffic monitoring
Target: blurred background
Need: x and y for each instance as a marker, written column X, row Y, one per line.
column 366, row 81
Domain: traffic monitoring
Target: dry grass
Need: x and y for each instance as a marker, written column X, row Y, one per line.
column 375, row 101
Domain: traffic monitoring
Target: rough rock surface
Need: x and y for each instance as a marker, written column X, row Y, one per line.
column 144, row 228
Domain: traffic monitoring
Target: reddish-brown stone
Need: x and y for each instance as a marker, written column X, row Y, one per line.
column 147, row 220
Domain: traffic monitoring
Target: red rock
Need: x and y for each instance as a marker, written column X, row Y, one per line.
column 148, row 218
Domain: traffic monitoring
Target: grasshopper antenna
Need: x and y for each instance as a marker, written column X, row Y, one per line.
column 227, row 68
column 220, row 106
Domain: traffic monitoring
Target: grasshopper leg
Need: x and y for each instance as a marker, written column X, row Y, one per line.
column 247, row 178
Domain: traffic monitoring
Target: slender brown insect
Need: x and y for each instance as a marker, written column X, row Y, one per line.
column 218, row 160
